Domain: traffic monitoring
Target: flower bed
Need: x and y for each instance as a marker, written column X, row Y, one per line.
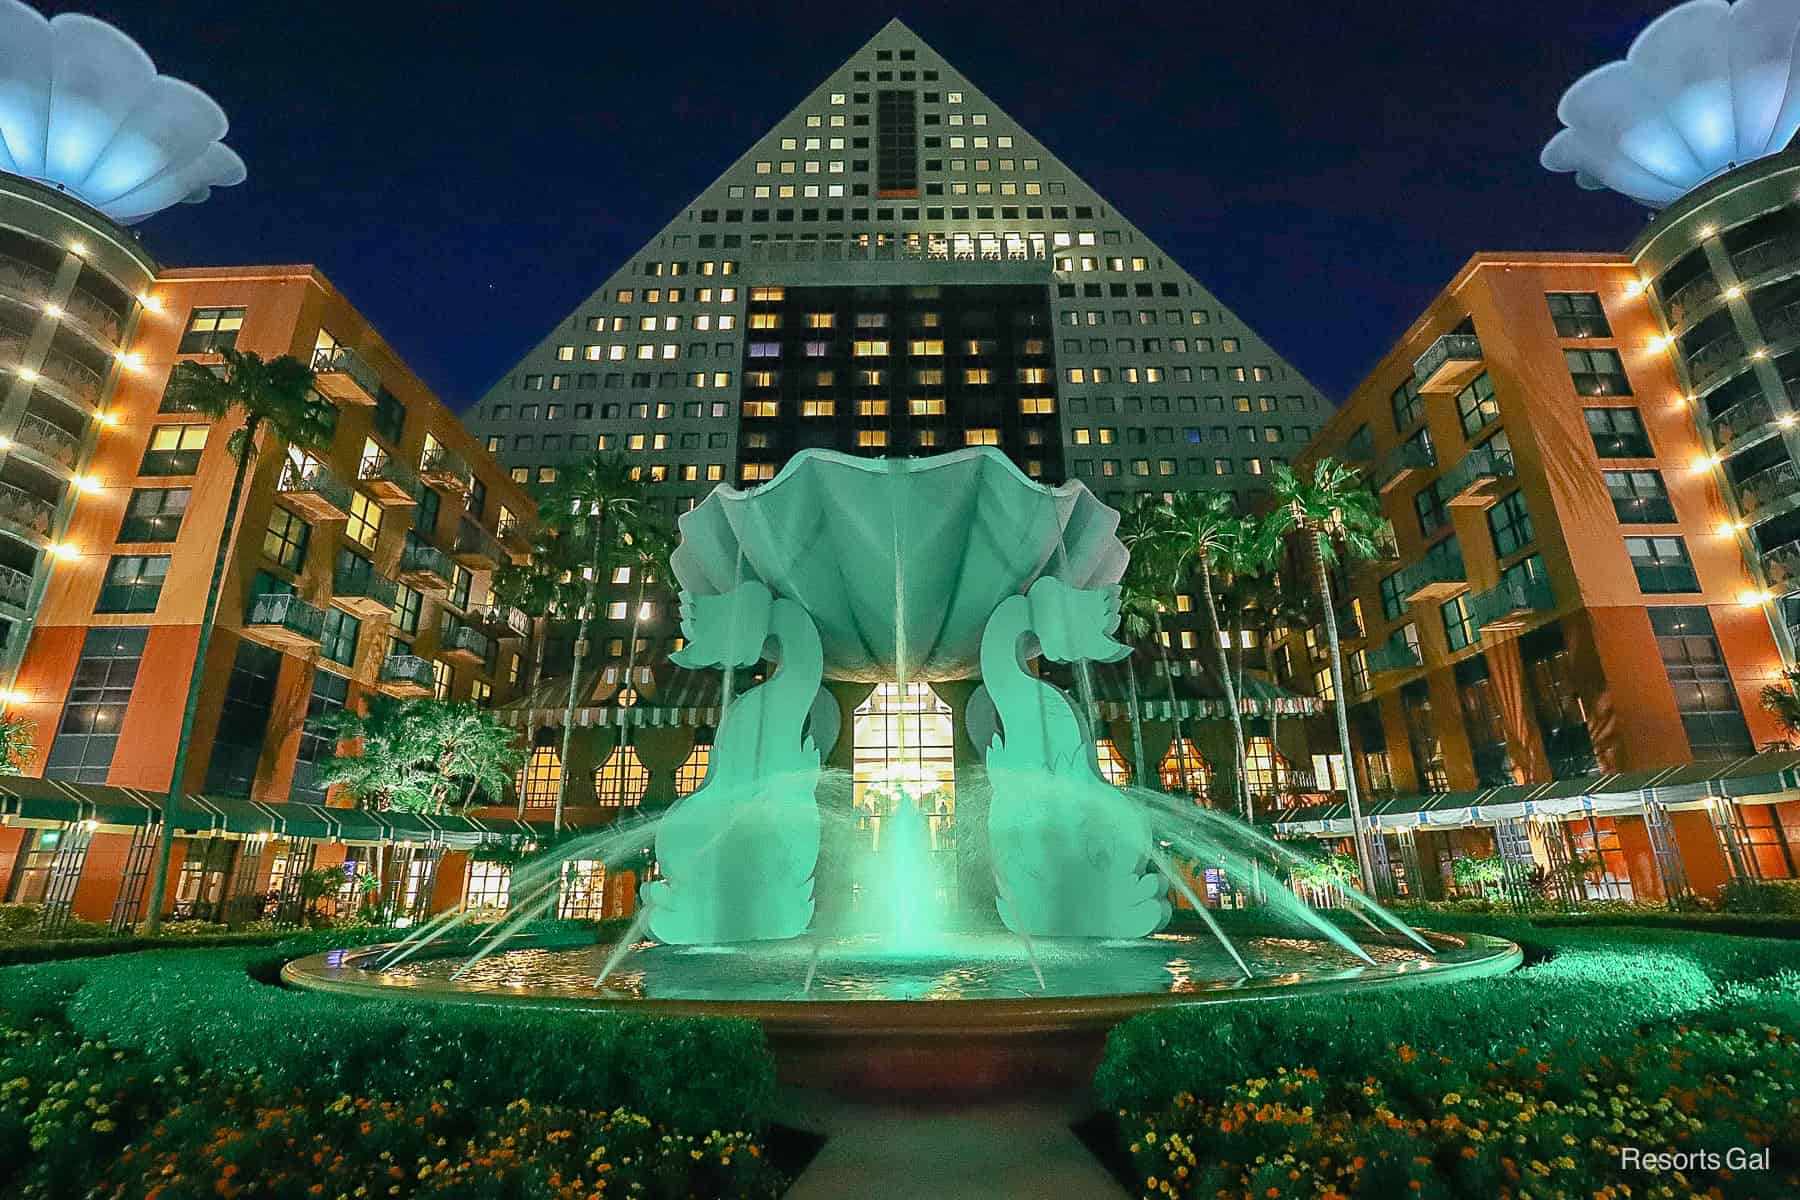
column 1524, row 1085
column 179, row 1073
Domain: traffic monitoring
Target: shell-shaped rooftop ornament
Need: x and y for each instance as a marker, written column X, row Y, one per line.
column 83, row 109
column 1708, row 86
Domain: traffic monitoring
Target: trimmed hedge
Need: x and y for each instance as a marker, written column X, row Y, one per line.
column 194, row 1008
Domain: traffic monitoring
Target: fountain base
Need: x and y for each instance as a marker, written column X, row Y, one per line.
column 963, row 1015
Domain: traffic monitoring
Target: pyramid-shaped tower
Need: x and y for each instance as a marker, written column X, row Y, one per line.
column 899, row 268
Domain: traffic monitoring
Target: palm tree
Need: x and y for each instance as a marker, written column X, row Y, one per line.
column 1783, row 701
column 587, row 506
column 1332, row 508
column 1145, row 529
column 649, row 541
column 18, row 740
column 1209, row 536
column 276, row 396
column 421, row 755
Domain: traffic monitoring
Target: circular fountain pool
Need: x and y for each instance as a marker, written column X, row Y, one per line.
column 964, row 1011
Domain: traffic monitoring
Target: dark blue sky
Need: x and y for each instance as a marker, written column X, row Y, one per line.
column 467, row 172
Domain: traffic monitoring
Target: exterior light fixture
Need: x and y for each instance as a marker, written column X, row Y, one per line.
column 1707, row 231
column 107, row 419
column 1634, row 287
column 78, row 248
column 1786, row 422
column 150, row 303
column 84, row 483
column 61, row 550
column 1726, row 529
column 1760, row 352
column 130, row 359
column 53, row 310
column 1733, row 292
column 27, row 374
column 1753, row 598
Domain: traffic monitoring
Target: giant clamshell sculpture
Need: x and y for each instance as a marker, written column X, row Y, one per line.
column 1708, row 86
column 83, row 109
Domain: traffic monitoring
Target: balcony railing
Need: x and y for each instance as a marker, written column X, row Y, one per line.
column 1689, row 298
column 425, row 567
column 1434, row 577
column 406, row 675
column 1395, row 654
column 1781, row 324
column 1742, row 419
column 388, row 479
column 444, row 468
column 26, row 510
column 500, row 620
column 1781, row 566
column 1510, row 604
column 284, row 619
column 364, row 591
column 1766, row 487
column 96, row 314
column 513, row 536
column 1767, row 256
column 465, row 642
column 314, row 490
column 343, row 374
column 80, row 383
column 1401, row 461
column 1447, row 361
column 476, row 547
column 49, row 440
column 15, row 588
column 1469, row 481
column 23, row 279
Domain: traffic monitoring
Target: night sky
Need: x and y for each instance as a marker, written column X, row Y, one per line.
column 467, row 173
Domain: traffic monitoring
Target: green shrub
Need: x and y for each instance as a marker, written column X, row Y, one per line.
column 1762, row 896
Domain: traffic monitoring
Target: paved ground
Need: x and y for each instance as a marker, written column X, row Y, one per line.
column 1010, row 1150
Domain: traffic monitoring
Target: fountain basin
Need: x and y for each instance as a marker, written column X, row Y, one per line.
column 960, row 1016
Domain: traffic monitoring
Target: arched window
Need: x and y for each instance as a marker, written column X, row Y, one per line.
column 692, row 773
column 1112, row 764
column 583, row 890
column 1184, row 754
column 538, row 780
column 1264, row 769
column 621, row 780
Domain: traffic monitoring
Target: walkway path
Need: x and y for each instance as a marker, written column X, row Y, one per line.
column 1005, row 1150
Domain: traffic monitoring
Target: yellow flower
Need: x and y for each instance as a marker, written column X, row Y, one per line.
column 1452, row 1098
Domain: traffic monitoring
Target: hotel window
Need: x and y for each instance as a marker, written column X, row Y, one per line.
column 926, row 347
column 1433, row 513
column 1113, row 767
column 539, row 780
column 390, row 418
column 443, row 680
column 1556, row 704
column 871, row 437
column 133, row 583
column 1704, row 693
column 1482, row 721
column 174, row 450
column 753, row 472
column 761, row 408
column 1459, row 624
column 337, row 643
column 1408, row 404
column 1393, row 604
column 1618, row 433
column 285, row 539
column 1509, row 524
column 244, row 715
column 95, row 709
column 1662, row 564
column 210, row 330
column 1322, row 683
column 154, row 514
column 1476, row 405
column 1639, row 498
column 409, row 605
column 622, row 780
column 870, row 348
column 981, row 437
column 1597, row 372
column 1427, row 749
column 489, row 884
column 871, row 408
column 818, row 408
column 1577, row 315
column 1264, row 769
column 364, row 524
column 1357, row 667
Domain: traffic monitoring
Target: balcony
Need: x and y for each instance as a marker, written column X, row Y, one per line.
column 425, row 568
column 1767, row 488
column 1776, row 254
column 1448, row 363
column 364, row 593
column 1716, row 359
column 284, row 621
column 1781, row 566
column 1688, row 299
column 343, row 374
column 514, row 537
column 465, row 645
column 95, row 317
column 443, row 468
column 1350, row 626
column 1394, row 656
column 388, row 479
column 313, row 491
column 1472, row 482
column 26, row 511
column 500, row 621
column 15, row 588
column 49, row 441
column 476, row 547
column 29, row 283
column 1745, row 424
column 1783, row 324
column 1400, row 463
column 72, row 379
column 1437, row 576
column 1513, row 603
column 406, row 675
